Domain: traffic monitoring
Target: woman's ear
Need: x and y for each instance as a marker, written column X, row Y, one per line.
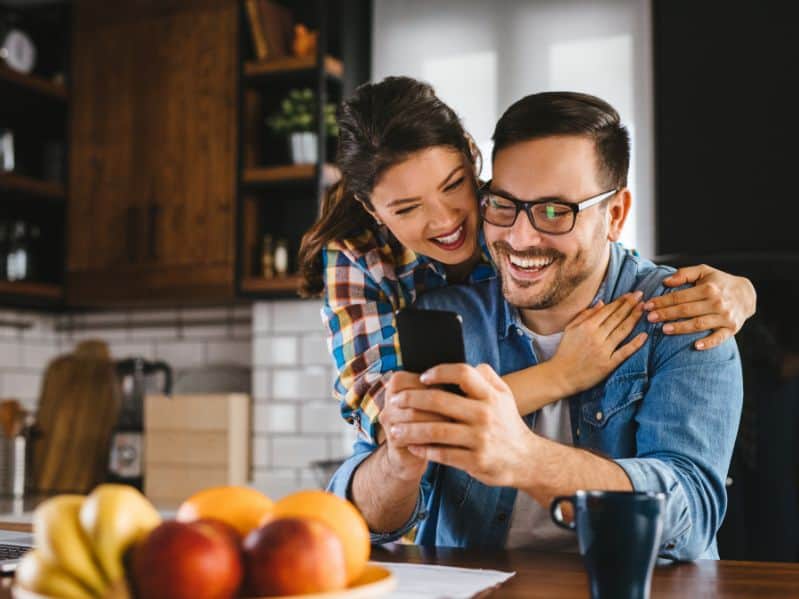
column 618, row 210
column 368, row 207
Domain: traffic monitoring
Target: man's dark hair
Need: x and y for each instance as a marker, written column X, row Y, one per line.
column 569, row 113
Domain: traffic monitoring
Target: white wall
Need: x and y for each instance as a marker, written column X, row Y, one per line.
column 482, row 56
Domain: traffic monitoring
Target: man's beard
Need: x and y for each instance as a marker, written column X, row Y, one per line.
column 540, row 295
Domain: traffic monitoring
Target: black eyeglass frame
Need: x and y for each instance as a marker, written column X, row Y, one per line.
column 527, row 205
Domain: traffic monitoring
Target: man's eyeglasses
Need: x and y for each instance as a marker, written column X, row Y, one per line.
column 553, row 217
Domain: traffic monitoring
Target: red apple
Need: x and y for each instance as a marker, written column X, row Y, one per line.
column 196, row 560
column 293, row 556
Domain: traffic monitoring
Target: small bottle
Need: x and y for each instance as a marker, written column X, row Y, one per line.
column 267, row 258
column 18, row 253
column 282, row 257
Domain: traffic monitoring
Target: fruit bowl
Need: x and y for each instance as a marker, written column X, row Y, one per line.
column 374, row 582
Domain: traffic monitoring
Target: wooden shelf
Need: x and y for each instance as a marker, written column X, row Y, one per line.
column 280, row 285
column 33, row 290
column 34, row 187
column 32, row 83
column 290, row 172
column 255, row 69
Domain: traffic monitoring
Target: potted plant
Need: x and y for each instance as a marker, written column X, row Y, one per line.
column 296, row 119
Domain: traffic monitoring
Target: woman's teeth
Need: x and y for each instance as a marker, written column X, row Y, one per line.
column 530, row 263
column 450, row 239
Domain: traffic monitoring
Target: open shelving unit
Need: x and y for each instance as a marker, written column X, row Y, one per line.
column 275, row 196
column 35, row 108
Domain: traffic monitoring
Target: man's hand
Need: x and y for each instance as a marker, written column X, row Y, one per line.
column 403, row 464
column 719, row 301
column 481, row 434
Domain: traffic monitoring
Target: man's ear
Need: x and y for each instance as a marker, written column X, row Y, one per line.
column 618, row 209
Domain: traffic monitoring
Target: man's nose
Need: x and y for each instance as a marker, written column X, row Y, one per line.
column 522, row 233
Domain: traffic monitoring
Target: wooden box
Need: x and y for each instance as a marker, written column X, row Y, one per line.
column 192, row 442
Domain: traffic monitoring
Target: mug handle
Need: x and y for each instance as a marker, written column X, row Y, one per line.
column 554, row 511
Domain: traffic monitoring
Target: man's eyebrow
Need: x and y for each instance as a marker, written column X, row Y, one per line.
column 399, row 201
column 503, row 192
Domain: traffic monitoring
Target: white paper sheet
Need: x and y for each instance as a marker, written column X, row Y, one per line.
column 416, row 581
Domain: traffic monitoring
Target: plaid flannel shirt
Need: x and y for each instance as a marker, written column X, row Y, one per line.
column 367, row 279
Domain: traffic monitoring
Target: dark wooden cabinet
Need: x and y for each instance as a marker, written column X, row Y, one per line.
column 153, row 151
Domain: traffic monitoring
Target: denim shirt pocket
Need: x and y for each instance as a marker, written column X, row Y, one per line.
column 458, row 485
column 606, row 402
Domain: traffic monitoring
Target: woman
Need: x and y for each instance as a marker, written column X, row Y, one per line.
column 404, row 219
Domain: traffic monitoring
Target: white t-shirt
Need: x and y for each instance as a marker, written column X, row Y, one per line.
column 530, row 524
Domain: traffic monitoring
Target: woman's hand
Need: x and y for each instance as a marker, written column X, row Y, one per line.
column 589, row 350
column 719, row 301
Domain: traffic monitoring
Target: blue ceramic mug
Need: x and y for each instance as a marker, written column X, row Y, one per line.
column 618, row 533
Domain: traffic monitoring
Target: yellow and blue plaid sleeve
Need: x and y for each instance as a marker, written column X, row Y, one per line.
column 359, row 316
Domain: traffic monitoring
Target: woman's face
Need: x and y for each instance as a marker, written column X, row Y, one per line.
column 428, row 202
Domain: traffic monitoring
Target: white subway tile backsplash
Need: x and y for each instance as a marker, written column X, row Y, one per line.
column 214, row 331
column 298, row 451
column 321, row 417
column 297, row 316
column 38, row 356
column 21, row 385
column 10, row 354
column 187, row 315
column 125, row 349
column 309, row 383
column 314, row 350
column 229, row 352
column 276, row 483
column 139, row 316
column 168, row 331
column 261, row 384
column 260, row 451
column 181, row 354
column 262, row 317
column 275, row 351
column 274, row 418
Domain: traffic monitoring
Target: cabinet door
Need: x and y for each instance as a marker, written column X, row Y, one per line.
column 165, row 134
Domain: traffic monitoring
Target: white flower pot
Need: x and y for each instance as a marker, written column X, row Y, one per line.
column 303, row 147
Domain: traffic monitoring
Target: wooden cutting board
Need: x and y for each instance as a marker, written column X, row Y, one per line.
column 78, row 407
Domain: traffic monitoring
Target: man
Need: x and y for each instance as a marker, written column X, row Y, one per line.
column 470, row 471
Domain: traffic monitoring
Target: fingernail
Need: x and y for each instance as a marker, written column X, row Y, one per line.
column 649, row 306
column 393, row 400
column 700, row 345
column 425, row 376
column 668, row 328
column 653, row 317
column 638, row 295
column 395, row 431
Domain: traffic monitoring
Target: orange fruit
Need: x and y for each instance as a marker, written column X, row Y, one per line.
column 340, row 515
column 241, row 507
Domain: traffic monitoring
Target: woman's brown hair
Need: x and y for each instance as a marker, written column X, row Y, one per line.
column 379, row 126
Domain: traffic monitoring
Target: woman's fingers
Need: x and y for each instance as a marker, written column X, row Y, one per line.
column 685, row 310
column 687, row 274
column 584, row 315
column 705, row 322
column 625, row 327
column 628, row 349
column 626, row 305
column 683, row 296
column 718, row 337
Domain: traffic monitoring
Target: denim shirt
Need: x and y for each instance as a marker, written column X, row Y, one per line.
column 668, row 416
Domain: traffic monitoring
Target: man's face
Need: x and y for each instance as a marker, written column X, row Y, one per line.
column 539, row 270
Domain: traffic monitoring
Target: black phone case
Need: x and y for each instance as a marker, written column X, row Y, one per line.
column 429, row 338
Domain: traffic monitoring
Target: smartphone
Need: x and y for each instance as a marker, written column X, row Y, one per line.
column 429, row 338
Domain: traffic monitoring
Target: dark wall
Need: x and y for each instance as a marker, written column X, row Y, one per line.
column 726, row 76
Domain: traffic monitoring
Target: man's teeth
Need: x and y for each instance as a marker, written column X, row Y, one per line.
column 450, row 238
column 530, row 262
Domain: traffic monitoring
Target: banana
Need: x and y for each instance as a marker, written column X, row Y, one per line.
column 60, row 539
column 113, row 518
column 34, row 573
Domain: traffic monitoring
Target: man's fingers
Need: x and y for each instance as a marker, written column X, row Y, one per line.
column 717, row 338
column 686, row 274
column 466, row 377
column 695, row 325
column 426, row 433
column 403, row 380
column 628, row 349
column 492, row 377
column 436, row 401
column 463, row 459
column 399, row 415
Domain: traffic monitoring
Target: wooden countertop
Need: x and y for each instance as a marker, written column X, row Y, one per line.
column 561, row 575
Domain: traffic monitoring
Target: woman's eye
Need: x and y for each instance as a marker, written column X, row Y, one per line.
column 405, row 210
column 455, row 184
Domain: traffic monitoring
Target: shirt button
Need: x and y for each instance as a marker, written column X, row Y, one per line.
column 519, row 331
column 577, row 432
column 501, row 517
column 599, row 416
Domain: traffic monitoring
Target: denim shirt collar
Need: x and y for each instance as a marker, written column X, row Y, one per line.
column 509, row 316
